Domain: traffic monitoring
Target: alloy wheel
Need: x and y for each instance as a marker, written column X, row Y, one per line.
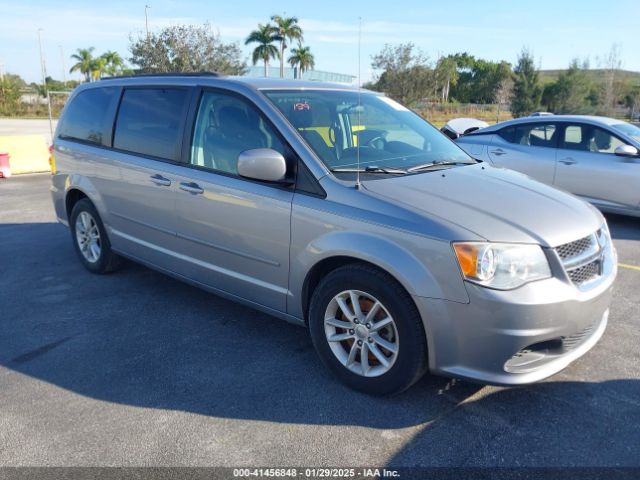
column 361, row 332
column 88, row 237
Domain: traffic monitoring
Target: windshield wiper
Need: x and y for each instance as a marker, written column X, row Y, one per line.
column 427, row 166
column 371, row 169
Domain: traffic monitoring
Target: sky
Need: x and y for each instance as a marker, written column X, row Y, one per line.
column 555, row 31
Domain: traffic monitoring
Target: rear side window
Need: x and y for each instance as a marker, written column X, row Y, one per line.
column 150, row 121
column 573, row 138
column 533, row 135
column 88, row 117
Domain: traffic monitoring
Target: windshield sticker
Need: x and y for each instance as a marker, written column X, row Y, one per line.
column 301, row 106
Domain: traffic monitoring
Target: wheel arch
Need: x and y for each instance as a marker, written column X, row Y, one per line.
column 320, row 270
column 73, row 196
column 337, row 249
column 78, row 187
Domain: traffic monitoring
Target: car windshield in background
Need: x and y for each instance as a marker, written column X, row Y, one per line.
column 628, row 129
column 391, row 138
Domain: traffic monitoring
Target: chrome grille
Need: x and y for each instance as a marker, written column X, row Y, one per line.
column 573, row 249
column 585, row 273
column 582, row 259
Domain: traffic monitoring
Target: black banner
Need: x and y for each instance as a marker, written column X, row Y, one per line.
column 223, row 473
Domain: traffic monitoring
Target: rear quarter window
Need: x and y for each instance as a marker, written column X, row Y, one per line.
column 508, row 134
column 533, row 134
column 150, row 121
column 89, row 116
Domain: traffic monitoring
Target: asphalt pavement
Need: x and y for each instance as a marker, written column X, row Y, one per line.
column 29, row 126
column 138, row 369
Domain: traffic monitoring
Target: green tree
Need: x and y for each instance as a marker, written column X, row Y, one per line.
column 527, row 91
column 113, row 63
column 632, row 100
column 490, row 76
column 478, row 80
column 264, row 36
column 186, row 48
column 406, row 73
column 572, row 92
column 302, row 58
column 446, row 75
column 10, row 92
column 56, row 86
column 84, row 61
column 98, row 66
column 287, row 29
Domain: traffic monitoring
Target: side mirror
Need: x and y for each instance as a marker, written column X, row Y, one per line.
column 626, row 151
column 262, row 164
column 450, row 133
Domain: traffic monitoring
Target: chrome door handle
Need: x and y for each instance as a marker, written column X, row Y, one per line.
column 568, row 161
column 498, row 152
column 191, row 188
column 160, row 180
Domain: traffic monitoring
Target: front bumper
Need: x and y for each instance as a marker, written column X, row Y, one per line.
column 519, row 336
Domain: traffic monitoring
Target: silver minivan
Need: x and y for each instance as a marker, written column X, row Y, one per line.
column 338, row 209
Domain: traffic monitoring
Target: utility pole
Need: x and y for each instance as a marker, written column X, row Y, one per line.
column 146, row 20
column 43, row 68
column 1, row 72
column 64, row 69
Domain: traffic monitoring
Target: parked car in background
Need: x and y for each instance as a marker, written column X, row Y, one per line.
column 596, row 158
column 541, row 114
column 462, row 126
column 340, row 210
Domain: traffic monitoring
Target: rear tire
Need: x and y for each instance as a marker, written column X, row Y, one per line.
column 379, row 347
column 90, row 239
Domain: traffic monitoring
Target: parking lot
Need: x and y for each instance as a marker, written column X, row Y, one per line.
column 136, row 368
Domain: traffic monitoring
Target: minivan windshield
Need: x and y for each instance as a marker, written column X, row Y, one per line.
column 391, row 138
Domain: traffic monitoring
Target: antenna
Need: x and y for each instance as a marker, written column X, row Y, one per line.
column 359, row 107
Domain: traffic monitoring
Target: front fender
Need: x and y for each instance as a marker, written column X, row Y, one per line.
column 397, row 260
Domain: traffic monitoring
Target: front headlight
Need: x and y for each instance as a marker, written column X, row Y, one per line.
column 502, row 266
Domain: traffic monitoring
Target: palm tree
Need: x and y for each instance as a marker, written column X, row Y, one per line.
column 113, row 63
column 287, row 29
column 447, row 72
column 84, row 57
column 98, row 68
column 264, row 36
column 302, row 58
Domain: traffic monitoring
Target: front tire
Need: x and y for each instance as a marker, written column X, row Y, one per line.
column 367, row 330
column 90, row 239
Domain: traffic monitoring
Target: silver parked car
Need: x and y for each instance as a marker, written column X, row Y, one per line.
column 341, row 210
column 596, row 158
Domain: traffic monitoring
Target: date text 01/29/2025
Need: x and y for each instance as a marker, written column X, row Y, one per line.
column 315, row 473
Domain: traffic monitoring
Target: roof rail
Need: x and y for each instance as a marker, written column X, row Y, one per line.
column 167, row 74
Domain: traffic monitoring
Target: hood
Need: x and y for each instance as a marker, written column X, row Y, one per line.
column 496, row 204
column 461, row 125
